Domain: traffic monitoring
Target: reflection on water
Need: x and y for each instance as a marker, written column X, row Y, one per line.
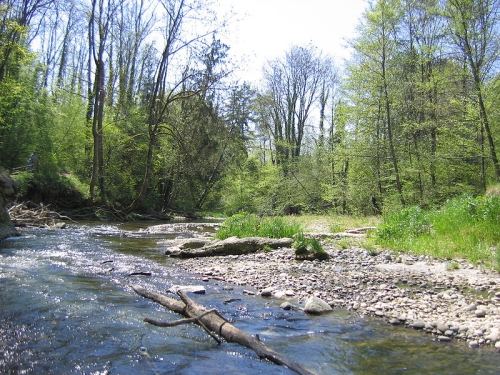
column 67, row 308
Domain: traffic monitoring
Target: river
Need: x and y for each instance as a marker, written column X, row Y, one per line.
column 66, row 307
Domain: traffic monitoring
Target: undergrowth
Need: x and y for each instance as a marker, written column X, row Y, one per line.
column 308, row 246
column 249, row 225
column 464, row 227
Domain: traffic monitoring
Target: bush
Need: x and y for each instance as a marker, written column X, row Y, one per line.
column 403, row 225
column 60, row 191
column 249, row 225
column 464, row 227
column 308, row 248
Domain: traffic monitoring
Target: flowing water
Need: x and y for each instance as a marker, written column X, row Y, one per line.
column 66, row 308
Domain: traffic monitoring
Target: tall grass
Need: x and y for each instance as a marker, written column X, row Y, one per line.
column 249, row 225
column 465, row 227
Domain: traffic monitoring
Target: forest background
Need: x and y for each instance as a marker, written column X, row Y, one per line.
column 132, row 105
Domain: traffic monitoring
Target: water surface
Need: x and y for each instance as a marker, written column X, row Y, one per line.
column 66, row 307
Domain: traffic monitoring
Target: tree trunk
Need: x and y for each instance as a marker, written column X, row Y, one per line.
column 214, row 323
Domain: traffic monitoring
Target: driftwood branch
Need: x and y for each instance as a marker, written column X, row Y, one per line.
column 216, row 324
column 231, row 246
column 35, row 215
column 187, row 321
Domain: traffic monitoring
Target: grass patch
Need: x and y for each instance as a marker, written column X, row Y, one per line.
column 249, row 225
column 334, row 223
column 59, row 190
column 308, row 248
column 452, row 266
column 465, row 227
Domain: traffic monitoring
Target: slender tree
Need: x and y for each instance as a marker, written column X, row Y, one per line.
column 474, row 25
column 169, row 83
column 294, row 83
column 377, row 52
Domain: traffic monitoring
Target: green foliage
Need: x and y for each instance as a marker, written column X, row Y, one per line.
column 250, row 187
column 403, row 225
column 465, row 227
column 249, row 225
column 60, row 191
column 300, row 244
column 308, row 248
column 451, row 266
column 69, row 134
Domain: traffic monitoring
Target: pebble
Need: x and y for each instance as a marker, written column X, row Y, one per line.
column 443, row 338
column 400, row 289
column 286, row 306
column 442, row 327
column 315, row 305
column 480, row 313
column 417, row 325
column 267, row 292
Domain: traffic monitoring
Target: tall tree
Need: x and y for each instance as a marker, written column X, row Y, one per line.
column 101, row 16
column 169, row 81
column 294, row 84
column 474, row 25
column 377, row 51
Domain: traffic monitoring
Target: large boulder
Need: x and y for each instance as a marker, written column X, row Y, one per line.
column 8, row 187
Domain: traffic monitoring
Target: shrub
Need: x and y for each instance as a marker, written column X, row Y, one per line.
column 60, row 191
column 308, row 248
column 464, row 227
column 403, row 225
column 249, row 225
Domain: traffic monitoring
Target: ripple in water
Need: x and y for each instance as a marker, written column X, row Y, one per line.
column 67, row 308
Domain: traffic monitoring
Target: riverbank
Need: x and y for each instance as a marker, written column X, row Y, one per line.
column 447, row 300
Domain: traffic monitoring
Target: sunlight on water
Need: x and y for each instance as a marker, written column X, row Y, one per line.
column 67, row 308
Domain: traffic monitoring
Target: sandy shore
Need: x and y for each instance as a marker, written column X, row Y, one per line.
column 419, row 293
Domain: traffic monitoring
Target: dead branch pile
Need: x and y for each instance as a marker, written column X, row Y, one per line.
column 35, row 216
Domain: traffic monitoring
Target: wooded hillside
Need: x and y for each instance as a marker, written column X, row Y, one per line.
column 134, row 103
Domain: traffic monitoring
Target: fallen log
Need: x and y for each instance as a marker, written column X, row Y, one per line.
column 215, row 324
column 232, row 246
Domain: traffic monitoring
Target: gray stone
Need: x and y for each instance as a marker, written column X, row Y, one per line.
column 493, row 336
column 195, row 243
column 480, row 313
column 463, row 328
column 8, row 187
column 315, row 305
column 443, row 338
column 267, row 292
column 417, row 325
column 472, row 307
column 473, row 344
column 443, row 327
column 287, row 306
column 394, row 321
column 198, row 289
column 279, row 294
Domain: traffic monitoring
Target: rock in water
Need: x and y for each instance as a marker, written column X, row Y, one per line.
column 197, row 289
column 315, row 305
